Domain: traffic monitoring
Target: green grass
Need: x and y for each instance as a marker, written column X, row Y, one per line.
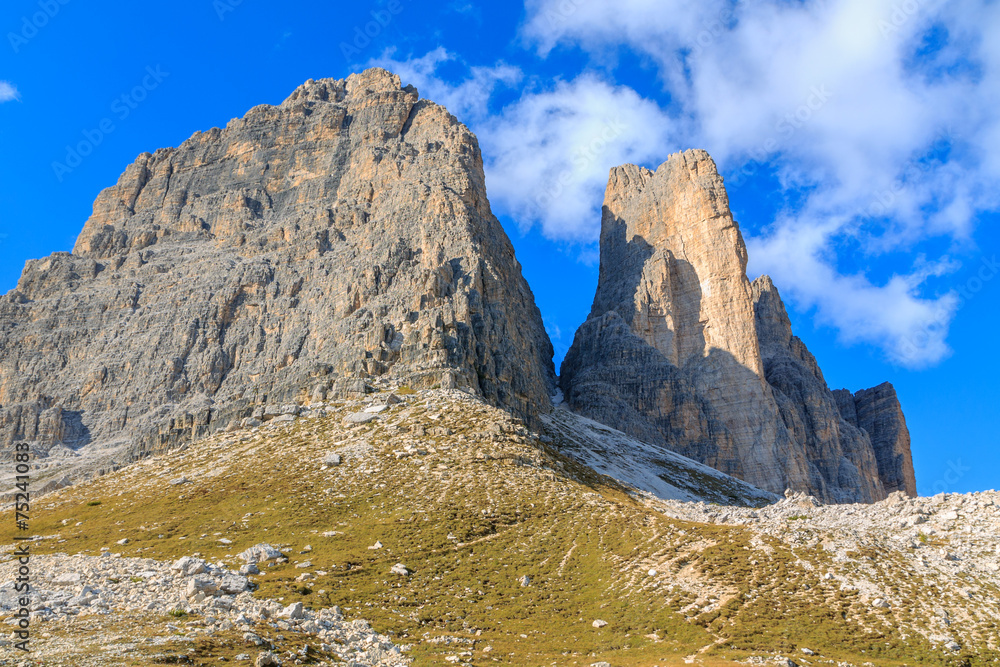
column 468, row 533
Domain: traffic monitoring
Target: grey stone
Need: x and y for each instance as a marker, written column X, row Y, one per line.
column 260, row 553
column 342, row 235
column 204, row 585
column 188, row 566
column 267, row 659
column 293, row 611
column 360, row 418
column 681, row 351
column 233, row 584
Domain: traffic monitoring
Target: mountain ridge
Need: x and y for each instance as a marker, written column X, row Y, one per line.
column 309, row 248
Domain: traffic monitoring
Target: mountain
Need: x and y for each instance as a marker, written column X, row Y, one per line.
column 310, row 340
column 302, row 253
column 682, row 351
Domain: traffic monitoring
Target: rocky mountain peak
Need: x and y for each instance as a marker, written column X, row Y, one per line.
column 681, row 350
column 300, row 254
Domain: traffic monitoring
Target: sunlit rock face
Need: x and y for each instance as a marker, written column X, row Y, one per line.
column 681, row 349
column 302, row 250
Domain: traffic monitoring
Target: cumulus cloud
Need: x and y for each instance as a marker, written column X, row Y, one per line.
column 8, row 92
column 882, row 112
column 468, row 98
column 547, row 153
column 910, row 328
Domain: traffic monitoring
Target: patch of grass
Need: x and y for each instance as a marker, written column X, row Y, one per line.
column 93, row 503
column 469, row 527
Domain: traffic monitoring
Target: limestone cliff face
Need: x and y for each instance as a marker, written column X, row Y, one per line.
column 344, row 234
column 671, row 333
column 680, row 349
column 877, row 411
column 842, row 462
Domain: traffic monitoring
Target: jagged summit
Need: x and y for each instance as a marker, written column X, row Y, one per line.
column 680, row 349
column 339, row 238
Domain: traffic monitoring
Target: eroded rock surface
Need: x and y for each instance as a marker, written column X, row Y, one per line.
column 877, row 411
column 344, row 234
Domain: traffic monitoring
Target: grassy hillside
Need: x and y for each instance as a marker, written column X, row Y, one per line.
column 477, row 503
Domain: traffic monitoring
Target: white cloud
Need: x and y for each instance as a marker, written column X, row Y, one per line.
column 911, row 329
column 468, row 99
column 8, row 92
column 882, row 111
column 548, row 153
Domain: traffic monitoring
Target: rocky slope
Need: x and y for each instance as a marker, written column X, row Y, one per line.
column 118, row 591
column 464, row 537
column 342, row 235
column 682, row 351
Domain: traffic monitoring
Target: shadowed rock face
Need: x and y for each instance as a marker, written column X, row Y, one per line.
column 680, row 349
column 842, row 460
column 344, row 234
column 877, row 411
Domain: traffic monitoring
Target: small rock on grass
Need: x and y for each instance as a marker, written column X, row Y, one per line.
column 267, row 659
column 260, row 552
column 360, row 418
column 293, row 611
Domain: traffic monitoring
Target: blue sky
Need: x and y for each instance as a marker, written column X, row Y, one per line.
column 859, row 140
